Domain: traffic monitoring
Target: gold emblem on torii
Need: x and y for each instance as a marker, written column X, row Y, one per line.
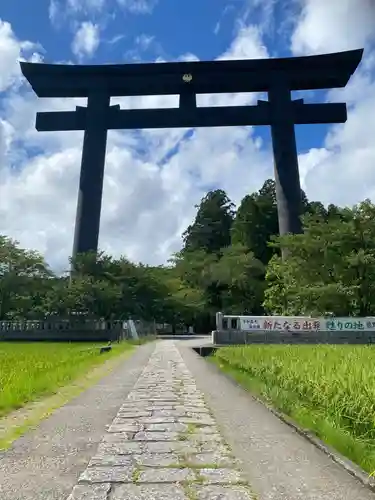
column 187, row 78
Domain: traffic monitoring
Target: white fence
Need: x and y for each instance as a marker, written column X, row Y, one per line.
column 76, row 329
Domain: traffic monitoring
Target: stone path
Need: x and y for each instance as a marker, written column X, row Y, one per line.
column 163, row 444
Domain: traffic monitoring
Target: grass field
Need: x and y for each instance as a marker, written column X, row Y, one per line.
column 327, row 389
column 29, row 371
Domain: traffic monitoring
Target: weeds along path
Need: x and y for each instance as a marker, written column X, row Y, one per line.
column 328, row 389
column 32, row 370
column 35, row 406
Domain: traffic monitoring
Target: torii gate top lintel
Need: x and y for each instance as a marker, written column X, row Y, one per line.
column 250, row 75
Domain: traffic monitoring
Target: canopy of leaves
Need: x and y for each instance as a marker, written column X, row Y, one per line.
column 211, row 229
column 256, row 221
column 330, row 268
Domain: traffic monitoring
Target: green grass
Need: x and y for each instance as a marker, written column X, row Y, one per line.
column 30, row 371
column 329, row 390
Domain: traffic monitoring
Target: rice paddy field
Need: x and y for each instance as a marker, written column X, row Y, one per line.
column 328, row 389
column 29, row 371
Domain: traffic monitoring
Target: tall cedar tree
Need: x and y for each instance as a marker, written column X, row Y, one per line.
column 256, row 221
column 211, row 229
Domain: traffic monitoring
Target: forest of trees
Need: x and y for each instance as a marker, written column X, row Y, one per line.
column 230, row 261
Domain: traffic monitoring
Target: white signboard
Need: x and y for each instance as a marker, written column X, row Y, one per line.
column 280, row 323
column 345, row 324
column 304, row 324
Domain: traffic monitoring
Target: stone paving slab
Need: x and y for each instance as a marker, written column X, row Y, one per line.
column 163, row 444
column 149, row 492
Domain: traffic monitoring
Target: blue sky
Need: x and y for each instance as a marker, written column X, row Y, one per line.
column 205, row 29
column 202, row 28
column 154, row 178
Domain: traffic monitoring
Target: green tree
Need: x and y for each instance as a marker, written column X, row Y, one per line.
column 241, row 279
column 257, row 221
column 186, row 304
column 331, row 267
column 317, row 209
column 210, row 230
column 23, row 280
column 194, row 267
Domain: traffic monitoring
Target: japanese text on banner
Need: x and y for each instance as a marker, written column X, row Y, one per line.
column 305, row 324
column 280, row 323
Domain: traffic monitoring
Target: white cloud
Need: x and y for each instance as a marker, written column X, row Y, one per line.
column 138, row 6
column 115, row 39
column 53, row 10
column 86, row 40
column 149, row 191
column 144, row 41
column 85, row 5
column 143, row 44
column 248, row 44
column 227, row 9
column 341, row 171
column 59, row 9
column 334, row 25
column 189, row 57
column 11, row 51
column 6, row 136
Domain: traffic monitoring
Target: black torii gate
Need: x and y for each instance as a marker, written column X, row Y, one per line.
column 278, row 77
